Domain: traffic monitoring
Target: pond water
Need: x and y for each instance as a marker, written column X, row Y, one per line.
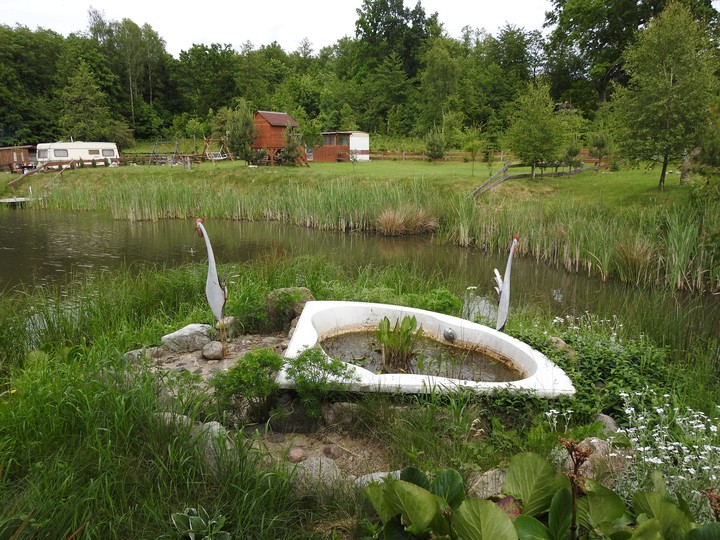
column 429, row 357
column 43, row 247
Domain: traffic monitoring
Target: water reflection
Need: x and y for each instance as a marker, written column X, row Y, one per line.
column 47, row 247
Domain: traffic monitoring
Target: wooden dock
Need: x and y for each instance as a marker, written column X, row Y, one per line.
column 14, row 202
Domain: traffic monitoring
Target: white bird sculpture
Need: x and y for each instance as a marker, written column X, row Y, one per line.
column 503, row 288
column 215, row 288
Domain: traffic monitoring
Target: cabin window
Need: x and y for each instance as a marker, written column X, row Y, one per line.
column 108, row 152
column 329, row 139
column 61, row 152
column 343, row 140
column 94, row 152
column 42, row 154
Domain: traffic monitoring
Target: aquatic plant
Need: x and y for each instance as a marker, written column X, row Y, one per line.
column 398, row 343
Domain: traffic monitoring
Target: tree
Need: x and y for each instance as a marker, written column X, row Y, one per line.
column 536, row 134
column 435, row 144
column 85, row 113
column 439, row 84
column 387, row 90
column 672, row 86
column 472, row 144
column 387, row 26
column 240, row 130
column 205, row 75
column 600, row 30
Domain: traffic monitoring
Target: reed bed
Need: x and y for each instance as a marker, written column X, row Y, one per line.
column 644, row 245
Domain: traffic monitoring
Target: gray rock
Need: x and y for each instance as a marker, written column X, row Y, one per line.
column 174, row 419
column 228, row 325
column 317, row 476
column 487, row 484
column 213, row 351
column 375, row 478
column 560, row 344
column 285, row 304
column 191, row 338
column 135, row 357
column 606, row 462
column 609, row 424
column 215, row 442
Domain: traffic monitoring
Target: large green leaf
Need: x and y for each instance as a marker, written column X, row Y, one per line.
column 648, row 530
column 706, row 532
column 602, row 508
column 533, row 480
column 378, row 498
column 479, row 519
column 415, row 476
column 560, row 516
column 529, row 528
column 674, row 523
column 448, row 485
column 418, row 505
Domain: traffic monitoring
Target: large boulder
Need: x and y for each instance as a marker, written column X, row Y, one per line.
column 285, row 304
column 191, row 338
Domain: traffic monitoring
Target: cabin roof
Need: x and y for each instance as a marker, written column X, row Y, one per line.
column 352, row 132
column 278, row 119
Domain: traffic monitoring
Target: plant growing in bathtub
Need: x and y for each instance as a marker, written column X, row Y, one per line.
column 316, row 376
column 398, row 343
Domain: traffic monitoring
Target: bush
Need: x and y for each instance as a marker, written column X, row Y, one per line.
column 251, row 382
column 316, row 376
column 435, row 144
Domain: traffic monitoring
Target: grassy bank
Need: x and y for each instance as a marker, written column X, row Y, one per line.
column 82, row 448
column 614, row 225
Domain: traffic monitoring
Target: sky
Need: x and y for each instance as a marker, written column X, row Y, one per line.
column 183, row 23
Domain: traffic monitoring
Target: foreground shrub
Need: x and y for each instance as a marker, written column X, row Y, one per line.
column 316, row 376
column 249, row 385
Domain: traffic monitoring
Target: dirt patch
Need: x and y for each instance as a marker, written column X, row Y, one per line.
column 354, row 453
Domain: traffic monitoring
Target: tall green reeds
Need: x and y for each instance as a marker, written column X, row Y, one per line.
column 645, row 245
column 681, row 246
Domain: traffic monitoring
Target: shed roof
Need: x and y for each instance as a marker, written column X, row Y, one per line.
column 344, row 133
column 278, row 118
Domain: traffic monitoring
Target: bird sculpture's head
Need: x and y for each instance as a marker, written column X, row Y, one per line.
column 516, row 241
column 198, row 223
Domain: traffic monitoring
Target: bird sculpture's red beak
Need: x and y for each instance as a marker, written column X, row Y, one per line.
column 198, row 229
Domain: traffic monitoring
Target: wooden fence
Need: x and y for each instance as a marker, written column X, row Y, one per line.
column 500, row 157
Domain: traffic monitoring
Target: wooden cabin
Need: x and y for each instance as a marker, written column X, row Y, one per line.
column 15, row 158
column 270, row 133
column 343, row 146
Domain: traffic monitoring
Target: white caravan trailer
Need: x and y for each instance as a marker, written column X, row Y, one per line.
column 58, row 153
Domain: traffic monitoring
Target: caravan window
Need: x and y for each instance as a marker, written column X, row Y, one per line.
column 108, row 152
column 61, row 152
column 94, row 152
column 42, row 154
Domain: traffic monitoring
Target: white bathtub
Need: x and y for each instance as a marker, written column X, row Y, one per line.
column 322, row 319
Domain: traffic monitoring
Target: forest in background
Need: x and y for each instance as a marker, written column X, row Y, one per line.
column 400, row 76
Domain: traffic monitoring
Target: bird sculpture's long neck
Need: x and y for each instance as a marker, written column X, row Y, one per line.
column 505, row 291
column 212, row 269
